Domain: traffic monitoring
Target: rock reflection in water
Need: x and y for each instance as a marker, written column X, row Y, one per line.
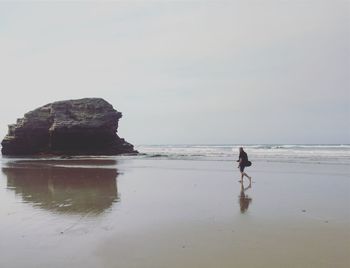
column 64, row 189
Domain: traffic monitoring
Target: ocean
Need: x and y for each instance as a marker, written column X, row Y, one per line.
column 283, row 153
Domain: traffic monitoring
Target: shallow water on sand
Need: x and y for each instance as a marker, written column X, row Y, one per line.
column 119, row 212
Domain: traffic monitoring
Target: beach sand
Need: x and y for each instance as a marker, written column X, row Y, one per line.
column 150, row 213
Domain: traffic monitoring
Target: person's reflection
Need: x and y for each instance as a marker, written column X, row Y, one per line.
column 64, row 186
column 244, row 199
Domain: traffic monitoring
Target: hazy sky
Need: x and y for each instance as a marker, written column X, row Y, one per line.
column 186, row 72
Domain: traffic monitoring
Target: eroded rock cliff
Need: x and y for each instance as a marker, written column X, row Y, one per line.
column 73, row 127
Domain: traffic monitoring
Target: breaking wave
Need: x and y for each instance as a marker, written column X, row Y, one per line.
column 321, row 154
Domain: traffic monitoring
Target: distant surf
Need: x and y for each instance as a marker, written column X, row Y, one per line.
column 333, row 154
column 290, row 153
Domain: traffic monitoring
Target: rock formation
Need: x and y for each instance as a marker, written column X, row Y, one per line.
column 73, row 127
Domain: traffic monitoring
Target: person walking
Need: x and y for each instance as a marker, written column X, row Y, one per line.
column 243, row 162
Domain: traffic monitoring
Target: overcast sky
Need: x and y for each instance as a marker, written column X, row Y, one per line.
column 186, row 72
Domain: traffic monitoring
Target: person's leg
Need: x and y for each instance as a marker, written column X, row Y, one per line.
column 245, row 174
column 241, row 169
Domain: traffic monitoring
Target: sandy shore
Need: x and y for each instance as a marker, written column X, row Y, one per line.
column 173, row 213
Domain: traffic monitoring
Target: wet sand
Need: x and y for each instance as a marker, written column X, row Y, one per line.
column 117, row 212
